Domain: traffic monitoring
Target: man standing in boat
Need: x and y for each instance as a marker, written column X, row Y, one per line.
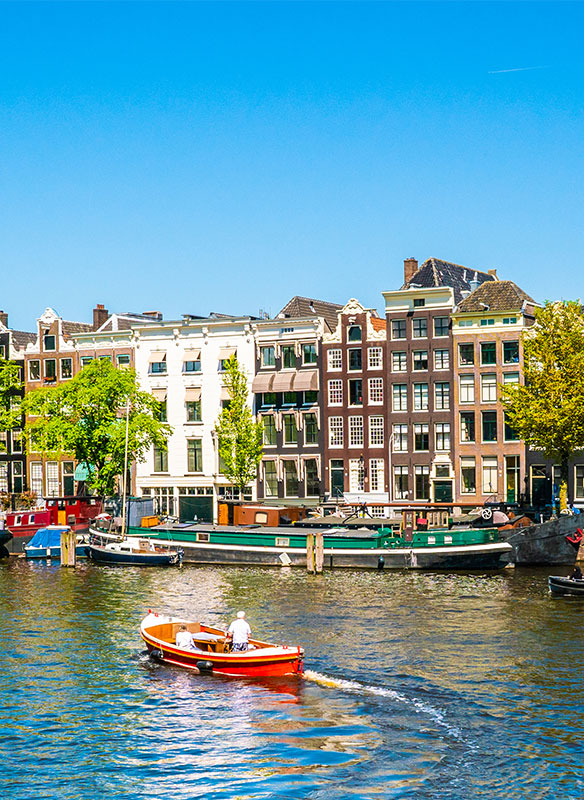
column 239, row 632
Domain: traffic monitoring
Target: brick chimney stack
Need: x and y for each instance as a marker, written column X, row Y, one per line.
column 100, row 314
column 410, row 268
column 4, row 318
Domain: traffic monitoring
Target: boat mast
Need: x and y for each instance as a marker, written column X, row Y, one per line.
column 125, row 481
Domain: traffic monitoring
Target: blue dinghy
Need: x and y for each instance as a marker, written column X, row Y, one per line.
column 46, row 543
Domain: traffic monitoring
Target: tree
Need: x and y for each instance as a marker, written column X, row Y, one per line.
column 10, row 386
column 86, row 417
column 548, row 410
column 239, row 436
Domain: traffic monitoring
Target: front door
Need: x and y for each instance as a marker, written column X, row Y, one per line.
column 443, row 491
column 337, row 477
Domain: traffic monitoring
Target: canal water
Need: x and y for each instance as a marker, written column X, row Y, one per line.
column 418, row 686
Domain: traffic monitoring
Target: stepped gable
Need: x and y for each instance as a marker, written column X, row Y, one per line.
column 308, row 307
column 497, row 296
column 435, row 272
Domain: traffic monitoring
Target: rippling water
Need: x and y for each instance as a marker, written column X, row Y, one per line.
column 418, row 686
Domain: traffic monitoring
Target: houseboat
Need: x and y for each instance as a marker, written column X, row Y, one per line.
column 77, row 512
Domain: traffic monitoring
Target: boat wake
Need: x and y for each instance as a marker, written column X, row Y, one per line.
column 356, row 687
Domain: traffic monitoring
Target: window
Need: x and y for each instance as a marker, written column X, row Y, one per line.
column 442, row 436
column 2, row 351
column 123, row 360
column 68, row 468
column 49, row 342
column 468, row 476
column 578, row 483
column 488, row 353
column 355, row 360
column 270, row 479
column 419, row 327
column 269, row 429
column 376, row 431
column 509, row 320
column 289, row 399
column 310, row 398
column 192, row 365
column 375, row 357
column 354, row 333
column 290, row 479
column 509, row 433
column 510, row 352
column 194, row 455
column 162, row 411
column 441, row 396
column 420, row 360
column 290, row 429
column 398, row 329
column 193, row 411
column 466, row 355
column 465, row 323
column 376, row 474
column 421, row 438
column 485, row 322
column 158, row 367
column 85, row 360
column 400, row 397
column 489, row 426
column 105, row 358
column 160, row 459
column 400, row 438
column 399, row 362
column 442, row 471
column 467, row 389
column 311, row 476
column 376, row 391
column 66, row 368
column 269, row 399
column 335, row 431
column 288, row 356
column 310, row 429
column 356, row 392
column 3, row 476
column 510, row 377
column 355, row 431
column 356, row 475
column 17, row 441
column 50, row 365
column 422, row 486
column 490, row 475
column 34, row 370
column 467, row 426
column 268, row 357
column 335, row 359
column 309, row 353
column 17, row 477
column 441, row 325
column 335, row 392
column 441, row 359
column 400, row 483
column 488, row 388
column 419, row 302
column 420, row 396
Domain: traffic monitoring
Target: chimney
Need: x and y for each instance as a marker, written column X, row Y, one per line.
column 493, row 272
column 157, row 315
column 410, row 268
column 4, row 318
column 474, row 283
column 100, row 314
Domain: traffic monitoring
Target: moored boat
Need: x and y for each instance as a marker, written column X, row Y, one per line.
column 77, row 512
column 133, row 552
column 46, row 543
column 213, row 654
column 565, row 585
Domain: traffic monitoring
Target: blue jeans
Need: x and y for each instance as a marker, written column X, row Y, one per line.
column 240, row 647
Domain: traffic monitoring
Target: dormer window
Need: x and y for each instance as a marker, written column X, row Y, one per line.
column 354, row 333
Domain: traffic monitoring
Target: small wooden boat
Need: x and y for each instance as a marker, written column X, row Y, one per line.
column 213, row 650
column 46, row 543
column 133, row 552
column 565, row 585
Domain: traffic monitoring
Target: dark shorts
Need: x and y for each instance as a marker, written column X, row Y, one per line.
column 240, row 648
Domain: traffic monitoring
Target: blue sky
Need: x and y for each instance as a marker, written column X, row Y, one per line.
column 196, row 157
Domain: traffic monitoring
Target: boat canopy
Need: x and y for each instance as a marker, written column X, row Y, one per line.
column 48, row 537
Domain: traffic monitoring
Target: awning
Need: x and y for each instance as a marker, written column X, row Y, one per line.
column 306, row 381
column 227, row 352
column 193, row 393
column 283, row 381
column 262, row 382
column 192, row 355
column 157, row 355
column 159, row 394
column 225, row 394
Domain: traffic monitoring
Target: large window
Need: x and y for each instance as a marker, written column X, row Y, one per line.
column 268, row 356
column 290, row 479
column 288, row 356
column 34, row 370
column 510, row 352
column 335, row 392
column 420, row 396
column 160, row 459
column 17, row 477
column 422, row 486
column 289, row 398
column 419, row 327
column 310, row 429
column 335, row 431
column 441, row 325
column 50, row 365
column 158, row 367
column 376, row 431
column 290, row 429
column 399, row 361
column 579, row 482
column 398, row 329
column 467, row 389
column 356, row 392
column 311, row 477
column 335, row 359
column 376, row 474
column 441, row 359
column 400, row 483
column 375, row 357
column 421, row 438
column 355, row 431
column 269, row 430
column 269, row 399
column 420, row 360
column 194, row 411
column 467, row 426
column 441, row 396
column 310, row 398
column 309, row 353
column 488, row 353
column 376, row 391
column 442, row 436
column 400, row 397
column 355, row 358
column 489, row 426
column 66, row 368
column 400, row 438
column 192, row 364
column 270, row 479
column 489, row 388
column 466, row 354
column 510, row 377
column 356, row 475
column 468, row 475
column 490, row 475
column 194, row 455
column 509, row 434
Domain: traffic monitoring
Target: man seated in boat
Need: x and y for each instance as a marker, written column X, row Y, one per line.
column 184, row 639
column 577, row 574
column 239, row 633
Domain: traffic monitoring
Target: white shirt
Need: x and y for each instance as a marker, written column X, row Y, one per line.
column 240, row 630
column 185, row 640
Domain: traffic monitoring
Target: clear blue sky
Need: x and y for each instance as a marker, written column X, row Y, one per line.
column 191, row 157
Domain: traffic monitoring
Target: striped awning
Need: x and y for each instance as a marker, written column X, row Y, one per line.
column 156, row 356
column 262, row 383
column 283, row 381
column 193, row 393
column 306, row 381
column 159, row 394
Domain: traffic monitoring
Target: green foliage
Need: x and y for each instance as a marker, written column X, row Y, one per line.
column 239, row 436
column 10, row 386
column 548, row 410
column 86, row 417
